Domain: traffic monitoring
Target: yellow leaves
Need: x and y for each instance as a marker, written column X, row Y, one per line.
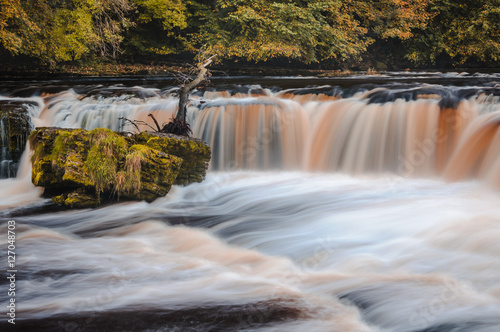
column 255, row 30
column 16, row 27
column 162, row 51
column 171, row 13
column 72, row 34
column 260, row 30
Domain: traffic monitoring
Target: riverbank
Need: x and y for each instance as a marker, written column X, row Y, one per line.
column 173, row 67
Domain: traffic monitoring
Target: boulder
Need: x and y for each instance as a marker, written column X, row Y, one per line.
column 80, row 168
column 15, row 126
column 193, row 152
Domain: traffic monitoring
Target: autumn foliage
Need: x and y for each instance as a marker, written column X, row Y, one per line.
column 329, row 31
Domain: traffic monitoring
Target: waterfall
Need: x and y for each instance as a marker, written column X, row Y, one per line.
column 15, row 125
column 5, row 161
column 327, row 208
column 253, row 133
column 421, row 131
column 20, row 190
column 71, row 110
column 418, row 137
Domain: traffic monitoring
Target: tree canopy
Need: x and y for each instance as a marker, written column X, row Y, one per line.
column 332, row 31
column 262, row 29
column 461, row 29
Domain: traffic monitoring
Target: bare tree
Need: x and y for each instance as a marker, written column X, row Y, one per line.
column 187, row 87
column 178, row 124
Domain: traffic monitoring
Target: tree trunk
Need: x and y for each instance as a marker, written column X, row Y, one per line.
column 186, row 88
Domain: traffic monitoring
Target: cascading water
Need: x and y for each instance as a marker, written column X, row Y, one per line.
column 417, row 137
column 255, row 133
column 15, row 126
column 5, row 161
column 371, row 208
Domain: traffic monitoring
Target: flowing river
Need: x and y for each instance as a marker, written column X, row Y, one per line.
column 354, row 204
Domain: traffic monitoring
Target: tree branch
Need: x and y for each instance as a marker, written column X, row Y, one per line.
column 136, row 123
column 187, row 87
column 156, row 122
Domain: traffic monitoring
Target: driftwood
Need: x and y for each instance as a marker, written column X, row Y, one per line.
column 187, row 87
column 137, row 123
column 177, row 124
column 156, row 122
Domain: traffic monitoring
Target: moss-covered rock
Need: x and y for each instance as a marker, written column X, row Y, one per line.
column 59, row 158
column 80, row 168
column 151, row 170
column 77, row 199
column 15, row 126
column 194, row 152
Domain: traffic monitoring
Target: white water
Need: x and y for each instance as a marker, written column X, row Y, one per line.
column 418, row 253
column 19, row 191
column 315, row 132
column 357, row 248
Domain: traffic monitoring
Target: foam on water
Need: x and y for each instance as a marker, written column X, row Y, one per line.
column 350, row 254
column 378, row 210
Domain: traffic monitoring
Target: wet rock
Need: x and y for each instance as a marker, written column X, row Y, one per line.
column 77, row 199
column 194, row 153
column 158, row 171
column 15, row 126
column 120, row 90
column 80, row 168
column 31, row 91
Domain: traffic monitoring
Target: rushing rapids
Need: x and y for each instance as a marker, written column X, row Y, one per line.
column 368, row 207
column 422, row 130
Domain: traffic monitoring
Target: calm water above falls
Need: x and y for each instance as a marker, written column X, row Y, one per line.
column 367, row 208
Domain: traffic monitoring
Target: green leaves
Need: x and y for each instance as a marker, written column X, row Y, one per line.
column 171, row 13
column 422, row 31
column 71, row 32
column 16, row 27
column 462, row 30
column 263, row 29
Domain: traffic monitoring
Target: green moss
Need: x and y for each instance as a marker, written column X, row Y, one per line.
column 59, row 146
column 77, row 199
column 38, row 143
column 141, row 149
column 73, row 170
column 90, row 163
column 108, row 142
column 60, row 142
column 194, row 153
column 36, row 177
column 58, row 157
column 129, row 180
column 157, row 172
column 107, row 149
column 38, row 153
column 59, row 200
